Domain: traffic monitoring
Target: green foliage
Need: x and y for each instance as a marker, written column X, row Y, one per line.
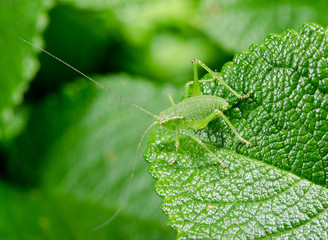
column 278, row 186
column 66, row 147
column 15, row 77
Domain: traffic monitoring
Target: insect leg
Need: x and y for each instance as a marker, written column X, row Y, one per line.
column 218, row 112
column 192, row 82
column 171, row 99
column 203, row 145
column 177, row 144
column 219, row 78
column 196, row 87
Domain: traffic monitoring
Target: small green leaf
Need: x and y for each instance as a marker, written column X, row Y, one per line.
column 278, row 186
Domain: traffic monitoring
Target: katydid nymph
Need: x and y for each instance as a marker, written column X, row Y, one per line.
column 193, row 112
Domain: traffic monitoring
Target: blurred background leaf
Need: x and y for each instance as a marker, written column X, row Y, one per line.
column 237, row 24
column 85, row 158
column 66, row 146
column 18, row 63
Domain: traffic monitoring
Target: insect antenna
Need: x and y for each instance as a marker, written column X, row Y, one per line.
column 86, row 76
column 129, row 184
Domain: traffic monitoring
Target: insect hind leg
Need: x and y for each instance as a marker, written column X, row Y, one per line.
column 219, row 113
column 171, row 99
column 177, row 144
column 186, row 95
column 204, row 146
column 196, row 88
column 219, row 78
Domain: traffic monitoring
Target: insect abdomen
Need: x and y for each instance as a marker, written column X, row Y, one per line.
column 194, row 110
column 198, row 108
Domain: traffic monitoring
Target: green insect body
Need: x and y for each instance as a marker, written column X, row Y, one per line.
column 193, row 112
column 196, row 112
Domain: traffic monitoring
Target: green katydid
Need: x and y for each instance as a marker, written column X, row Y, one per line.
column 198, row 110
column 193, row 112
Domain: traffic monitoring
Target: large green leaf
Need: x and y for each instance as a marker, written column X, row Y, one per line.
column 278, row 186
column 26, row 19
